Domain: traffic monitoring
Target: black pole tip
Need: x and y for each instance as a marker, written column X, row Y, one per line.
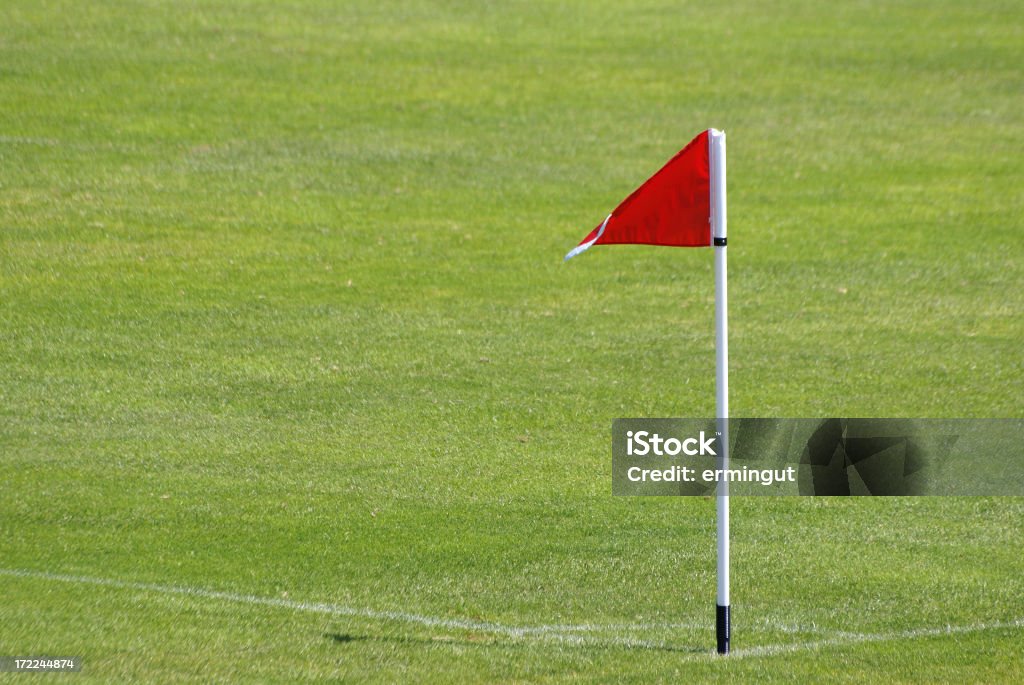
column 723, row 628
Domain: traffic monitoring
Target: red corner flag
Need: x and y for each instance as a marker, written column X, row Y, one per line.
column 672, row 208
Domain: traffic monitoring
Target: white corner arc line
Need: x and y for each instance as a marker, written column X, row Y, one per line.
column 560, row 633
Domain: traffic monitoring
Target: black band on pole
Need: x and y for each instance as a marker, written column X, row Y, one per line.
column 719, row 242
column 723, row 628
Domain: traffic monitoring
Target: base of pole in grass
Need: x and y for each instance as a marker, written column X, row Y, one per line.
column 723, row 629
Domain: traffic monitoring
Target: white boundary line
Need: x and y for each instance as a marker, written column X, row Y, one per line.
column 564, row 633
column 560, row 633
column 856, row 638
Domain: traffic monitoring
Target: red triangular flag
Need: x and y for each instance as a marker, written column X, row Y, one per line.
column 672, row 208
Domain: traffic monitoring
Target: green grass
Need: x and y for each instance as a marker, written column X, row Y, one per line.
column 282, row 311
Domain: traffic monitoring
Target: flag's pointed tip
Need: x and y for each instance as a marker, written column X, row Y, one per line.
column 574, row 251
column 586, row 245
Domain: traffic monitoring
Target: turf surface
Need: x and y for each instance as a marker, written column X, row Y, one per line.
column 283, row 316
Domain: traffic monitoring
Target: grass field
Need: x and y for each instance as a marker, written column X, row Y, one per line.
column 294, row 384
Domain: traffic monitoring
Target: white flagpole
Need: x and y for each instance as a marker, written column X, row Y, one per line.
column 723, row 627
